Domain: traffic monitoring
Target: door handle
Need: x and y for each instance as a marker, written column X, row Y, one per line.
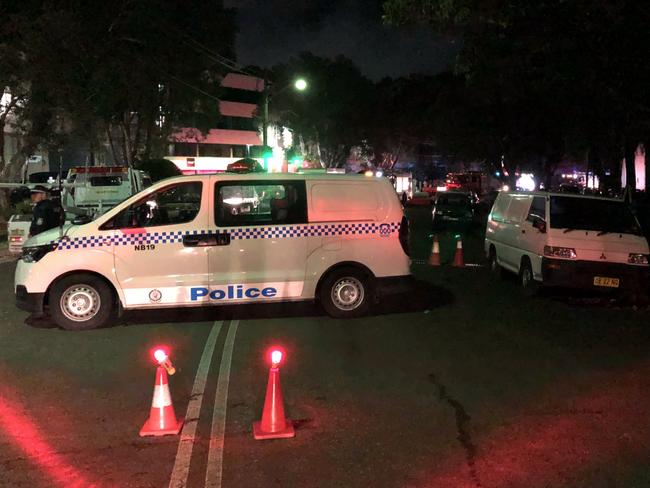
column 191, row 240
column 206, row 240
column 223, row 238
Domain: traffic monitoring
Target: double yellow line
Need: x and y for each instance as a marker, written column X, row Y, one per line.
column 214, row 468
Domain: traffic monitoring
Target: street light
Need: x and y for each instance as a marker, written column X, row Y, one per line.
column 299, row 84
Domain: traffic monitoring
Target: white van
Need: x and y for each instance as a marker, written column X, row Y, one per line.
column 223, row 238
column 567, row 240
column 93, row 189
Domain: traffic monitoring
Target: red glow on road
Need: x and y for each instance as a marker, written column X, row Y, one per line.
column 28, row 438
column 552, row 445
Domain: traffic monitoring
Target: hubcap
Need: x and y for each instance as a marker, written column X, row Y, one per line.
column 347, row 293
column 80, row 303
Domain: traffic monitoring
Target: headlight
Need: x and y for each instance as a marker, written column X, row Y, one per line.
column 33, row 254
column 560, row 252
column 634, row 258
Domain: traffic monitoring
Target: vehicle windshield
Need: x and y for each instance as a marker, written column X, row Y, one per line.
column 592, row 214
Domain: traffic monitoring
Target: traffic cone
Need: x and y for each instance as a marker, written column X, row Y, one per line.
column 458, row 257
column 273, row 424
column 434, row 258
column 162, row 420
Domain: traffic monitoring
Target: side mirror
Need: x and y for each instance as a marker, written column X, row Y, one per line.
column 81, row 219
column 540, row 225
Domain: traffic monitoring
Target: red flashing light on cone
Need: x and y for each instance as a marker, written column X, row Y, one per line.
column 162, row 419
column 434, row 259
column 458, row 257
column 273, row 424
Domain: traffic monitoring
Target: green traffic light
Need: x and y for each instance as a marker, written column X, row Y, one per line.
column 300, row 84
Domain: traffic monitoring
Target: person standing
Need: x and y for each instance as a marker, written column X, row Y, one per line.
column 45, row 215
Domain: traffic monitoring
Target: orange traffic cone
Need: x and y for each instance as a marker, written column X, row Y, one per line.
column 434, row 258
column 273, row 424
column 458, row 257
column 162, row 420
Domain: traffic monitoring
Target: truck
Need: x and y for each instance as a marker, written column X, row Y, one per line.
column 86, row 190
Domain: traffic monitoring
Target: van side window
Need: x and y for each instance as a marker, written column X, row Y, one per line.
column 537, row 209
column 239, row 203
column 499, row 208
column 176, row 204
column 517, row 209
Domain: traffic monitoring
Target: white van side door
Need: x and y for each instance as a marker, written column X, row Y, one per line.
column 261, row 240
column 531, row 238
column 157, row 245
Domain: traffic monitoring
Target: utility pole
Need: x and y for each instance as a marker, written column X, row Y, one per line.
column 265, row 119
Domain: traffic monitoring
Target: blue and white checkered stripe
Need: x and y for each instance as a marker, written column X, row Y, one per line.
column 266, row 232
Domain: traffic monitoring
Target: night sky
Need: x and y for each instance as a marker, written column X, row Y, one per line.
column 271, row 31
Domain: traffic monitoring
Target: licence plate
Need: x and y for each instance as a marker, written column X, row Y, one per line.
column 17, row 232
column 608, row 282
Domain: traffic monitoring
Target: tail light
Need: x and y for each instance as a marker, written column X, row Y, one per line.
column 404, row 235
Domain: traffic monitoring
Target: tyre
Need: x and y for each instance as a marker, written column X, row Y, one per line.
column 526, row 279
column 493, row 264
column 346, row 293
column 81, row 302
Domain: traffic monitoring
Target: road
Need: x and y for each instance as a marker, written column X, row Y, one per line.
column 464, row 383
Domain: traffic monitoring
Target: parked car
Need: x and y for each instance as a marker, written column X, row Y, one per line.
column 453, row 207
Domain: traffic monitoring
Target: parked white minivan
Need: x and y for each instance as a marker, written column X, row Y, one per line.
column 223, row 238
column 561, row 239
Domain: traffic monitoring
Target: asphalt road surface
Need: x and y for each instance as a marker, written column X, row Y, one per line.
column 463, row 383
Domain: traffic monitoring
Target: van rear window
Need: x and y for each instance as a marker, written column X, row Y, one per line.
column 105, row 181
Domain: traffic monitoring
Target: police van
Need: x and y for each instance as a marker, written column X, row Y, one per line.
column 223, row 239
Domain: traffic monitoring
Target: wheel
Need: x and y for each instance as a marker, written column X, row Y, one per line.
column 346, row 292
column 528, row 283
column 81, row 302
column 493, row 264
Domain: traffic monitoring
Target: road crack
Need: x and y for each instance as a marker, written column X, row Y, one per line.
column 462, row 427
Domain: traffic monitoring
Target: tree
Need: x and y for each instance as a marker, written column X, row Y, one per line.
column 552, row 77
column 400, row 117
column 110, row 74
column 332, row 112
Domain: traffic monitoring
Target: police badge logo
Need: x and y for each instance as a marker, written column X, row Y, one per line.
column 155, row 295
column 384, row 230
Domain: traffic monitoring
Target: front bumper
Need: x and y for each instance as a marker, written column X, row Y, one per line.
column 392, row 285
column 30, row 302
column 581, row 274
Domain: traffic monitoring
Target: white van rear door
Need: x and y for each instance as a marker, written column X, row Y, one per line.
column 514, row 215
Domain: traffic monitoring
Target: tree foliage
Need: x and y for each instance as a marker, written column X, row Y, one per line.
column 125, row 71
column 544, row 79
column 332, row 111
